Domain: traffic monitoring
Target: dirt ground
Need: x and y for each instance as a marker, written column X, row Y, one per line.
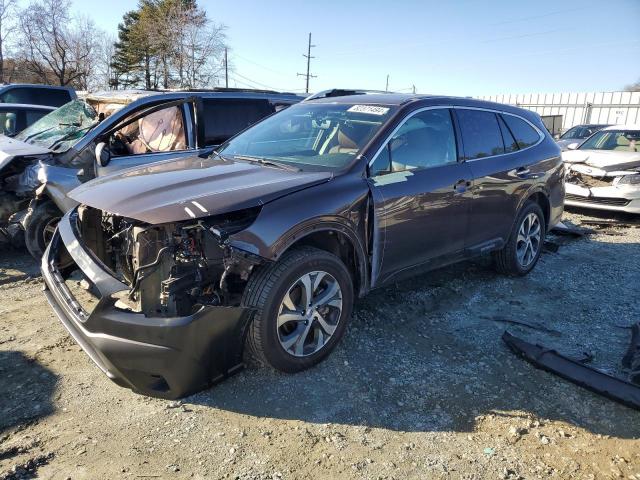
column 421, row 387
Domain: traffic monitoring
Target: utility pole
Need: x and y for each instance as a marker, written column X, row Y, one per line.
column 386, row 89
column 226, row 69
column 308, row 57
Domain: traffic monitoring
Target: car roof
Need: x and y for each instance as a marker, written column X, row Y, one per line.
column 623, row 127
column 401, row 99
column 129, row 96
column 33, row 85
column 27, row 106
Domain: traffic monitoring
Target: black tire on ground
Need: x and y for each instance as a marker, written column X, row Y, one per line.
column 265, row 291
column 39, row 227
column 506, row 260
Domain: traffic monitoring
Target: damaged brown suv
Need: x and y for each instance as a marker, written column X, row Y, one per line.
column 267, row 242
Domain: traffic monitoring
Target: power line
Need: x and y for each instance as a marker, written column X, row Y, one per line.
column 248, row 82
column 308, row 57
column 254, row 81
column 261, row 66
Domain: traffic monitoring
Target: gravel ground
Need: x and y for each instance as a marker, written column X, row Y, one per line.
column 421, row 387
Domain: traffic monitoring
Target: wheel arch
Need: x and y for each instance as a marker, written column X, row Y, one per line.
column 335, row 238
column 540, row 197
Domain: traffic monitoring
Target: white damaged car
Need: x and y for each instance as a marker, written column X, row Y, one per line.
column 604, row 171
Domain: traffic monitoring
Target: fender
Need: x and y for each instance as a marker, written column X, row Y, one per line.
column 315, row 225
column 282, row 223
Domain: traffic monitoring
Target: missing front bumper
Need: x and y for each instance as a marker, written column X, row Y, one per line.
column 157, row 356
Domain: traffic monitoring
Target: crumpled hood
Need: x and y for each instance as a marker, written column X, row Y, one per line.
column 607, row 160
column 193, row 187
column 11, row 148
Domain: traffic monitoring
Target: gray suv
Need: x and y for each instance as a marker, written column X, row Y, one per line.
column 267, row 242
column 105, row 132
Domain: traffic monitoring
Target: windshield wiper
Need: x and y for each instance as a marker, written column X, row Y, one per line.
column 267, row 162
column 70, row 134
column 38, row 133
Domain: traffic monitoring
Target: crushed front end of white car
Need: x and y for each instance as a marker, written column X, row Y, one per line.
column 603, row 179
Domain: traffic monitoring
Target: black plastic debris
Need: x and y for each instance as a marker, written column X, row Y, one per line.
column 631, row 359
column 599, row 382
column 522, row 323
column 568, row 229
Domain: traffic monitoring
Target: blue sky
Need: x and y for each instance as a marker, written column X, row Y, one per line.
column 456, row 47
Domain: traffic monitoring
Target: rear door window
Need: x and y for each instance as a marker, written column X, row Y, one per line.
column 524, row 133
column 481, row 134
column 223, row 117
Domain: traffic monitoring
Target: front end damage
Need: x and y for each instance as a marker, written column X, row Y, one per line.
column 592, row 187
column 168, row 319
column 18, row 182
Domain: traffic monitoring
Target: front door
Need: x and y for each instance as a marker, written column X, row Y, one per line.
column 161, row 134
column 421, row 194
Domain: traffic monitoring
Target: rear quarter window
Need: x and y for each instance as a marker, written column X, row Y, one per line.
column 524, row 133
column 481, row 134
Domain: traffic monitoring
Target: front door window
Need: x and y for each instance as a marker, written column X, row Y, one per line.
column 160, row 131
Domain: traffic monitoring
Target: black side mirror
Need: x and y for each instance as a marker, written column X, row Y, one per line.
column 103, row 155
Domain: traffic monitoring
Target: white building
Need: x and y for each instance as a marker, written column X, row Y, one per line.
column 561, row 111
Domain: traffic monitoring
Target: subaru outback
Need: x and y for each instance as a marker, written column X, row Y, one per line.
column 267, row 242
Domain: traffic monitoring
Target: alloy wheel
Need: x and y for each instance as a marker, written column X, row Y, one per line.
column 49, row 229
column 309, row 313
column 528, row 242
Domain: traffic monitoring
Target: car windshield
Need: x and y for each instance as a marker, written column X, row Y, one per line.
column 618, row 140
column 311, row 136
column 62, row 128
column 575, row 132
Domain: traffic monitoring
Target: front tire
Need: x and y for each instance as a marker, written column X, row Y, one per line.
column 523, row 249
column 303, row 303
column 39, row 227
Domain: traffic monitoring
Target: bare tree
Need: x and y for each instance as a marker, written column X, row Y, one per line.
column 104, row 77
column 634, row 87
column 7, row 26
column 55, row 48
column 204, row 44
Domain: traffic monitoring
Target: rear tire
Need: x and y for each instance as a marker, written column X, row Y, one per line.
column 39, row 227
column 291, row 329
column 523, row 249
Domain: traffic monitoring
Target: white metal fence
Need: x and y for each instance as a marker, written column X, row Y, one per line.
column 578, row 108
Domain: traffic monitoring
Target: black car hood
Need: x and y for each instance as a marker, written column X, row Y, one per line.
column 193, row 187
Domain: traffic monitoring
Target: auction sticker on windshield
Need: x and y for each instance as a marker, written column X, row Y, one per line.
column 370, row 109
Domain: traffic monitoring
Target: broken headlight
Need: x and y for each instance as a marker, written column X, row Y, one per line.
column 629, row 180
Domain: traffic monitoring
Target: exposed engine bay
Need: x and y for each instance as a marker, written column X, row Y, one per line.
column 582, row 179
column 172, row 269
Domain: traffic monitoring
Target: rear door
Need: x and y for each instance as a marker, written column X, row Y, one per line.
column 421, row 195
column 502, row 171
column 151, row 134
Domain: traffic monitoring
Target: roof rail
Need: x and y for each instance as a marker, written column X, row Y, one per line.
column 342, row 92
column 224, row 89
